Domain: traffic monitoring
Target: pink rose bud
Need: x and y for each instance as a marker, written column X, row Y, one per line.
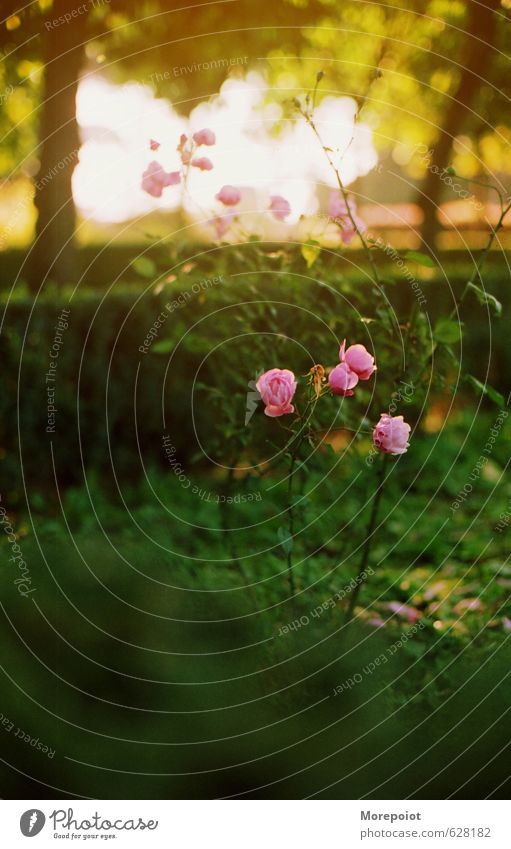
column 337, row 206
column 155, row 179
column 342, row 380
column 348, row 231
column 280, row 207
column 411, row 614
column 206, row 137
column 229, row 196
column 276, row 388
column 358, row 359
column 184, row 154
column 203, row 163
column 221, row 223
column 339, row 211
column 154, row 145
column 391, row 434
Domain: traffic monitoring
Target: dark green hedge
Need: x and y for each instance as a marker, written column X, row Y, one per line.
column 100, row 365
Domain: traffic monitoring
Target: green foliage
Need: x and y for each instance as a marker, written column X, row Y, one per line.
column 140, row 642
column 420, row 259
column 486, row 389
column 486, row 298
column 448, row 331
column 100, row 359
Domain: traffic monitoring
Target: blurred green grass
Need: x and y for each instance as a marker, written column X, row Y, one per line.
column 142, row 650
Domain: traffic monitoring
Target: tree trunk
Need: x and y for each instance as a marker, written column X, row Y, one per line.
column 53, row 254
column 481, row 24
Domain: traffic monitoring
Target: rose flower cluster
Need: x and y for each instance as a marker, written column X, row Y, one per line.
column 278, row 386
column 155, row 179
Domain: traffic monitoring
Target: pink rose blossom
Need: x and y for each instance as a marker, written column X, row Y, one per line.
column 276, row 388
column 391, row 434
column 155, row 179
column 154, row 145
column 358, row 359
column 229, row 196
column 280, row 207
column 342, row 380
column 337, row 206
column 221, row 223
column 203, row 163
column 411, row 614
column 340, row 212
column 206, row 137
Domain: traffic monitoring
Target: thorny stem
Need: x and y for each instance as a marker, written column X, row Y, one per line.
column 366, row 551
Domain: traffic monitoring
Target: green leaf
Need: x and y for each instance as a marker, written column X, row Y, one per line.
column 495, row 396
column 310, row 252
column 486, row 298
column 447, row 331
column 285, row 539
column 420, row 259
column 164, row 346
column 144, row 266
column 486, row 389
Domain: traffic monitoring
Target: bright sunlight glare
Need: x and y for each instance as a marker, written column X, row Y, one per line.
column 117, row 122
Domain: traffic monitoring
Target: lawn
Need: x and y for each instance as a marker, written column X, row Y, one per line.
column 142, row 640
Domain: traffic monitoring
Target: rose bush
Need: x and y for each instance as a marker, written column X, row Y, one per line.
column 403, row 343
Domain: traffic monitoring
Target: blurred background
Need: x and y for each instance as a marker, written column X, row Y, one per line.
column 148, row 652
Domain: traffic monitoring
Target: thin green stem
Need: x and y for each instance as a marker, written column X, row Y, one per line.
column 345, row 196
column 476, row 275
column 483, row 185
column 311, row 404
column 290, row 524
column 366, row 551
column 482, row 259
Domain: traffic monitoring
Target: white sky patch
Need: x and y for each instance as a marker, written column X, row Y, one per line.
column 118, row 121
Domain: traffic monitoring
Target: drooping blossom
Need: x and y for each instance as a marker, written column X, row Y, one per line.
column 280, row 207
column 343, row 213
column 391, row 434
column 276, row 388
column 506, row 623
column 342, row 380
column 358, row 359
column 155, row 179
column 411, row 614
column 205, row 136
column 203, row 163
column 229, row 196
column 154, row 145
column 221, row 223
